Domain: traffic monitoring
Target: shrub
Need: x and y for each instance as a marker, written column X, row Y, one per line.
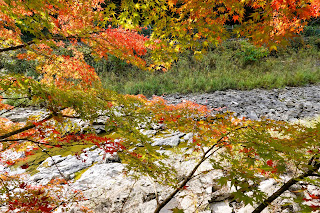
column 250, row 54
column 18, row 66
column 311, row 31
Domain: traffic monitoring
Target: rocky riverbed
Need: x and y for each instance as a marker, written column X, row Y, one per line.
column 111, row 191
column 288, row 104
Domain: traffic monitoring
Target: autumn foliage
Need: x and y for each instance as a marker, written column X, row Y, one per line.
column 70, row 88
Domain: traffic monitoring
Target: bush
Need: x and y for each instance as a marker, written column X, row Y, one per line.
column 314, row 41
column 250, row 54
column 311, row 31
column 18, row 66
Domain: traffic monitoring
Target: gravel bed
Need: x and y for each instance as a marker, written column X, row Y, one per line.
column 289, row 103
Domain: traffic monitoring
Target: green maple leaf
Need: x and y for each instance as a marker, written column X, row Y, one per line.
column 177, row 210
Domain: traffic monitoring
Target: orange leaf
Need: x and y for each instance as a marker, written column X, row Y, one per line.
column 235, row 18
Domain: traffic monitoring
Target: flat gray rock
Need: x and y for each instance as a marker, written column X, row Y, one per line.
column 170, row 141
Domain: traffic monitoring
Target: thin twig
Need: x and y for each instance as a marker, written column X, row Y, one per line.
column 17, row 47
column 54, row 163
column 126, row 199
column 8, row 110
column 155, row 189
column 68, row 116
column 59, row 38
column 65, row 201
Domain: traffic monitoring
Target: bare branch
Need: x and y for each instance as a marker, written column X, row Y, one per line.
column 8, row 110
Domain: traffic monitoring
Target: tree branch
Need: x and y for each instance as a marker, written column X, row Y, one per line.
column 46, row 144
column 27, row 97
column 8, row 110
column 189, row 177
column 9, row 134
column 59, row 38
column 16, row 47
column 286, row 186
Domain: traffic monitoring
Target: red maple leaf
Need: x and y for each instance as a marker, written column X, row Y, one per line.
column 313, row 196
column 22, row 185
column 25, row 166
column 45, row 208
column 269, row 163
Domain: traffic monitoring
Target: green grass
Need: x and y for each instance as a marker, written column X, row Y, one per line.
column 224, row 67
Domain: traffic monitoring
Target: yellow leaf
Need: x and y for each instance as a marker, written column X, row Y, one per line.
column 273, row 47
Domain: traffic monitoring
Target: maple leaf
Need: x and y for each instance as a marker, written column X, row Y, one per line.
column 45, row 209
column 235, row 18
column 177, row 210
column 276, row 4
column 9, row 162
column 269, row 163
column 25, row 166
column 313, row 196
column 22, row 185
